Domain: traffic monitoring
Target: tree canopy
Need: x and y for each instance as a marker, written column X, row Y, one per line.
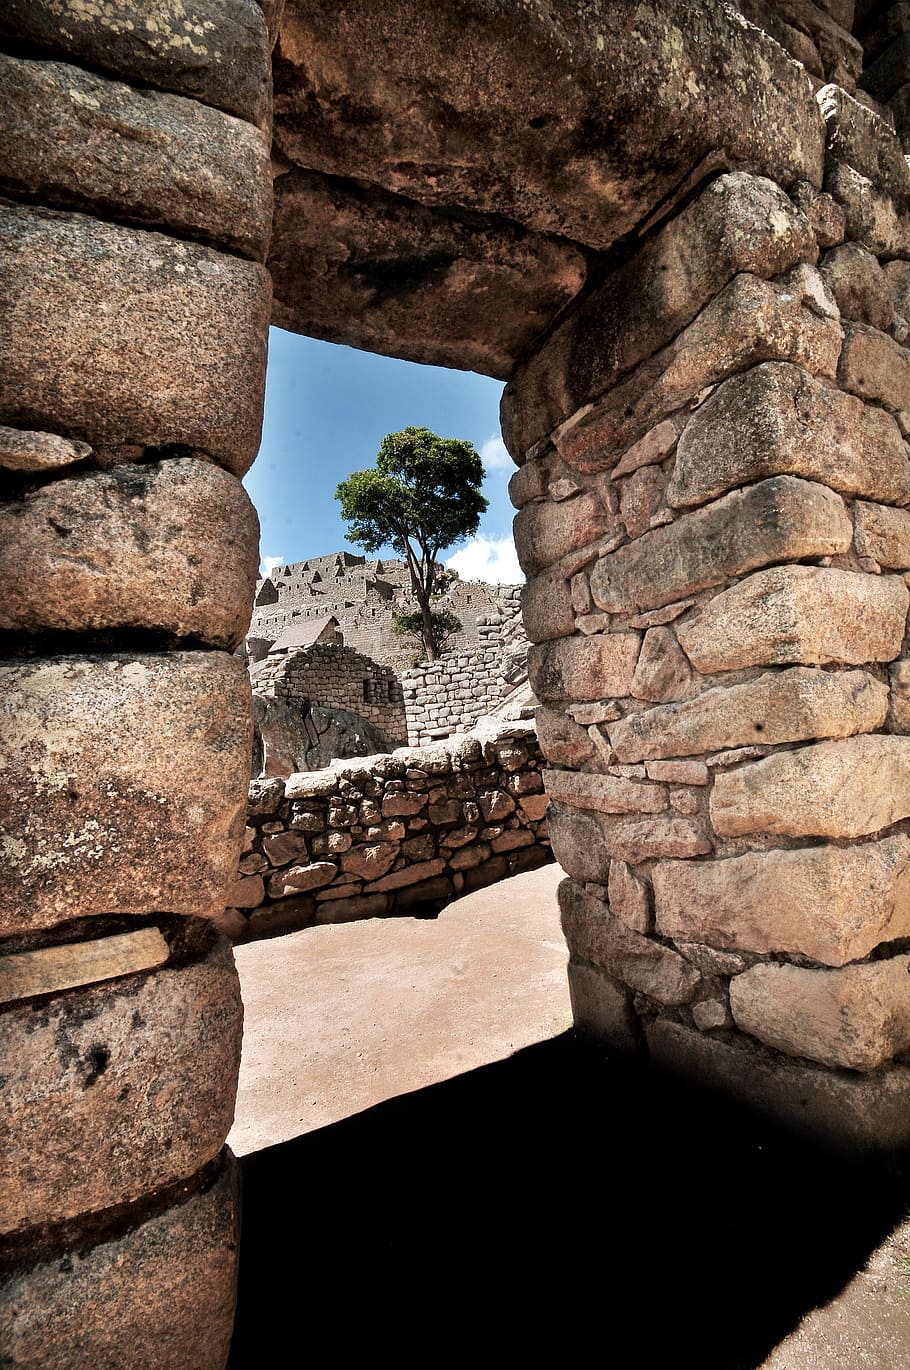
column 422, row 497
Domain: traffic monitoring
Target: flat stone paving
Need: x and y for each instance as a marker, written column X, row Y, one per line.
column 534, row 1179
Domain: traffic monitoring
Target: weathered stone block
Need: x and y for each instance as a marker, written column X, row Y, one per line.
column 872, row 217
column 158, row 1290
column 642, row 839
column 166, row 1040
column 593, row 934
column 546, row 608
column 216, row 51
column 843, row 1110
column 883, row 533
column 874, row 366
column 663, row 672
column 774, row 520
column 602, row 1008
column 854, row 1018
column 146, row 814
column 170, row 336
column 784, row 706
column 777, row 419
column 738, row 223
column 386, row 273
column 563, row 742
column 583, row 668
column 860, row 137
column 173, row 546
column 408, row 875
column 604, row 793
column 810, row 614
column 544, row 532
column 832, row 904
column 300, row 879
column 628, row 897
column 844, row 788
column 29, row 451
column 74, row 138
column 859, row 285
column 750, row 321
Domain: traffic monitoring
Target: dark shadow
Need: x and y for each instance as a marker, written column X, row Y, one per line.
column 554, row 1204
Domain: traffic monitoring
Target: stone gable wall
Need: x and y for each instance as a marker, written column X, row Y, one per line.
column 327, row 673
column 388, row 835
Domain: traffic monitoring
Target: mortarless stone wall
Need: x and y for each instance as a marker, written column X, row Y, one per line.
column 718, row 550
column 327, row 673
column 391, row 834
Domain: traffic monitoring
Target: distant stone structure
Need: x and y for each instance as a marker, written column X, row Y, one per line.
column 364, row 596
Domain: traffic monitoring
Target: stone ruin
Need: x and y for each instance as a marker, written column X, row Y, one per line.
column 682, row 235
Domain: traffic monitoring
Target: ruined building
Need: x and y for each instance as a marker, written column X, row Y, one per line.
column 681, row 234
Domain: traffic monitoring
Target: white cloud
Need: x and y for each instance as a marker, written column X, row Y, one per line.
column 490, row 559
column 494, row 456
column 269, row 564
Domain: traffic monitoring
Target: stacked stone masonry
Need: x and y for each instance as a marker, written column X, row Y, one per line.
column 134, row 300
column 332, row 674
column 716, row 531
column 387, row 835
column 450, row 694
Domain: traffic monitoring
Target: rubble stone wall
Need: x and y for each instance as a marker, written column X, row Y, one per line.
column 712, row 516
column 391, row 834
column 327, row 673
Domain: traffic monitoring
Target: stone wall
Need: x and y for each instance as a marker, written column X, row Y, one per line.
column 327, row 673
column 390, row 834
column 712, row 518
column 450, row 694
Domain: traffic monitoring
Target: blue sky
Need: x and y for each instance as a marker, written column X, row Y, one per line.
column 327, row 408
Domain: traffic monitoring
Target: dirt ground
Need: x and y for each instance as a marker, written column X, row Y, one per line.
column 435, row 1166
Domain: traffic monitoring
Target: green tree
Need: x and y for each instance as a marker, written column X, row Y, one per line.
column 445, row 626
column 422, row 496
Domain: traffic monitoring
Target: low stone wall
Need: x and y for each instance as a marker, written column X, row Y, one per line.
column 328, row 673
column 393, row 834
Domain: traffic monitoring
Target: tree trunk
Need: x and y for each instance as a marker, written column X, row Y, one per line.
column 429, row 637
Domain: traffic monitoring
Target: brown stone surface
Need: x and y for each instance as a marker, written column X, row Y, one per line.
column 748, row 322
column 21, row 450
column 810, row 614
column 774, row 520
column 74, row 138
column 628, row 897
column 859, row 285
column 604, row 793
column 843, row 788
column 583, row 668
column 853, row 1018
column 738, row 223
column 872, row 217
column 170, row 336
column 641, row 839
column 578, row 843
column 216, row 51
column 46, row 970
column 841, row 1109
column 173, row 546
column 299, row 879
column 544, row 532
column 882, row 533
column 777, row 419
column 653, row 447
column 157, row 1296
column 782, row 706
column 861, row 138
column 562, row 741
column 116, row 1090
column 832, row 904
column 142, row 814
column 353, row 264
column 594, row 934
column 874, row 366
column 663, row 672
column 602, row 1008
column 572, row 122
column 546, row 608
